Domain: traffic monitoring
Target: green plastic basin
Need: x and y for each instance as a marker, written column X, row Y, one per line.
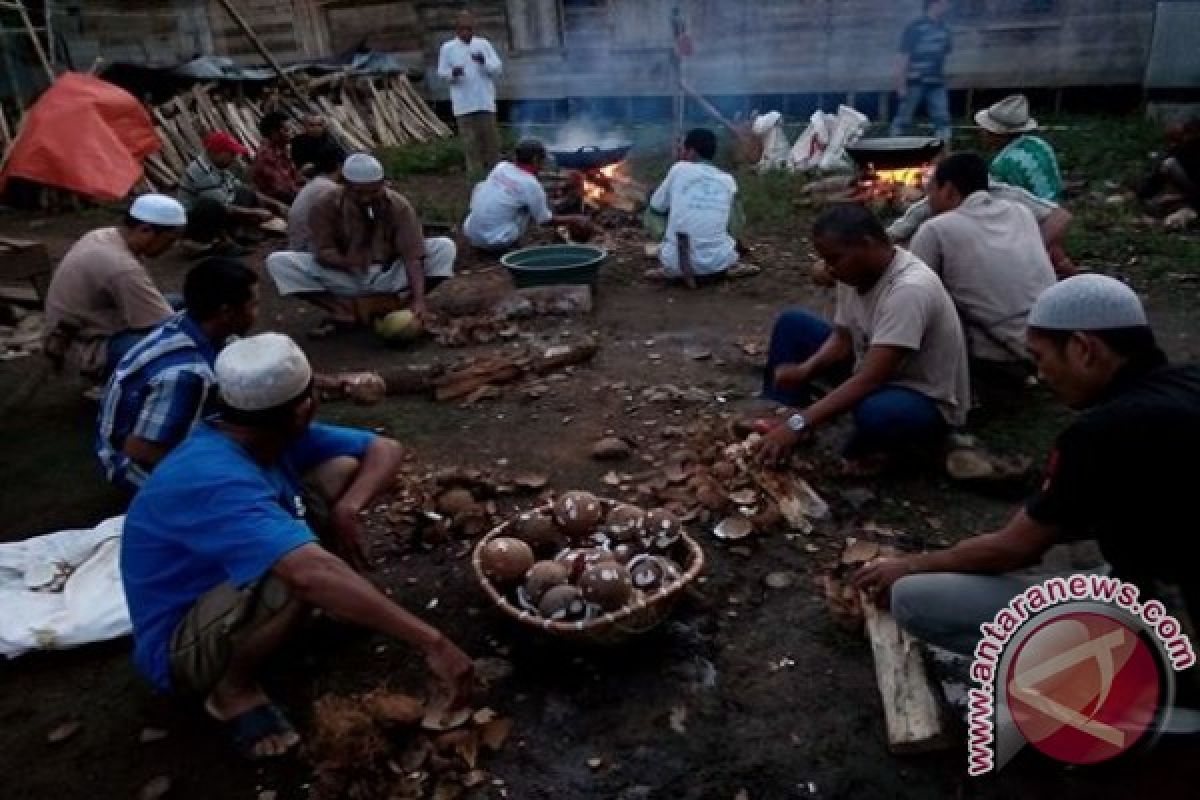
column 554, row 264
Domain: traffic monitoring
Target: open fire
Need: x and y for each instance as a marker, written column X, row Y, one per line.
column 893, row 186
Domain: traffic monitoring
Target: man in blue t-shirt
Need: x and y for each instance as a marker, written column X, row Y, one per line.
column 920, row 72
column 219, row 565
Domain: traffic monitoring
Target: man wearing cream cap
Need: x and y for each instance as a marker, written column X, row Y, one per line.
column 219, row 564
column 1111, row 476
column 366, row 239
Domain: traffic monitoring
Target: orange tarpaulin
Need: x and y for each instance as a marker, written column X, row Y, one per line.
column 86, row 135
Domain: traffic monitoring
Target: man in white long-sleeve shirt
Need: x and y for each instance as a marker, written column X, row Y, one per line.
column 470, row 64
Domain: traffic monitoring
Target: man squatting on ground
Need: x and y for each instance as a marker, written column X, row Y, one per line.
column 101, row 299
column 164, row 384
column 219, row 205
column 1120, row 474
column 989, row 254
column 895, row 350
column 503, row 205
column 366, row 240
column 220, row 567
column 697, row 199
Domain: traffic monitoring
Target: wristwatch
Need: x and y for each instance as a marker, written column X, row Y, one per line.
column 796, row 423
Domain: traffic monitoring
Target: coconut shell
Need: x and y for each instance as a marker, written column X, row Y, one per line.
column 563, row 603
column 506, row 559
column 663, row 528
column 393, row 709
column 607, row 585
column 625, row 522
column 578, row 513
column 456, row 502
column 543, row 576
column 540, row 531
column 647, row 574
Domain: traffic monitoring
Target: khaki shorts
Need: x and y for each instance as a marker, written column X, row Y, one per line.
column 203, row 641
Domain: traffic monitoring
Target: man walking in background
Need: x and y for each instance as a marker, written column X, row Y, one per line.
column 920, row 70
column 470, row 65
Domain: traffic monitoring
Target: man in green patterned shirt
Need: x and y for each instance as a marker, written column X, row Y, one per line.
column 1024, row 160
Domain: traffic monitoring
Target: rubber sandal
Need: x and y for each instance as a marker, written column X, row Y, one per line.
column 251, row 727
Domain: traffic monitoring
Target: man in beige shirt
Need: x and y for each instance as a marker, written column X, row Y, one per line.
column 895, row 349
column 989, row 254
column 101, row 300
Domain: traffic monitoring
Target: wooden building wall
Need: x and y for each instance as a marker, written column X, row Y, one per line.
column 613, row 48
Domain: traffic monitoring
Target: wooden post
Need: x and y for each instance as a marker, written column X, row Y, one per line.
column 258, row 44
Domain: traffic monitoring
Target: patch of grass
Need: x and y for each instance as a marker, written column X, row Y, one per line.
column 424, row 158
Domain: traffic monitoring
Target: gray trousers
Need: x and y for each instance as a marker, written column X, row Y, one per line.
column 947, row 608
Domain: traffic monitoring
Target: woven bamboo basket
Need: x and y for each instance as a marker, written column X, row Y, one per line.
column 607, row 627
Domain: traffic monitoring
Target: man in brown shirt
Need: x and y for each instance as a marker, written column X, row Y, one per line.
column 101, row 300
column 366, row 239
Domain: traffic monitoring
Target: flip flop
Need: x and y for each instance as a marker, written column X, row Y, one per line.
column 251, row 727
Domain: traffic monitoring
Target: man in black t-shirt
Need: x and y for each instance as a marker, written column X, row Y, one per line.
column 311, row 142
column 1121, row 474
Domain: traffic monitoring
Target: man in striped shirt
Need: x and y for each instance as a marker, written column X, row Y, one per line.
column 1024, row 160
column 162, row 386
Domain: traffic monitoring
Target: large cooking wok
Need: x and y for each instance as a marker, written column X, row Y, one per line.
column 894, row 152
column 590, row 156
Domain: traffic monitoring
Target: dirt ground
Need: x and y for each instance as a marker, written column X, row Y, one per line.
column 777, row 702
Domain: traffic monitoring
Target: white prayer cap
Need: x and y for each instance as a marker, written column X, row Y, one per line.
column 362, row 168
column 1089, row 302
column 261, row 372
column 158, row 209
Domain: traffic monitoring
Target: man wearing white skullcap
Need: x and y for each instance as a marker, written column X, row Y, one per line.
column 365, row 239
column 101, row 300
column 1116, row 474
column 219, row 563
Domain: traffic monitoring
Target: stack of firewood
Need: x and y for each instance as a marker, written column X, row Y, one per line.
column 362, row 113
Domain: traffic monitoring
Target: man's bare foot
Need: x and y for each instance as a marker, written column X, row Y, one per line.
column 258, row 728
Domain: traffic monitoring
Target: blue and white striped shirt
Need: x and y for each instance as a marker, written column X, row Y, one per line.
column 158, row 391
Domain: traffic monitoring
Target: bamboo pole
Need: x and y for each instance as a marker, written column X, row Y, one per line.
column 19, row 7
column 258, row 44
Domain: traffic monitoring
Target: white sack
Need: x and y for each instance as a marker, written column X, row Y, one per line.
column 39, row 611
column 769, row 128
column 823, row 144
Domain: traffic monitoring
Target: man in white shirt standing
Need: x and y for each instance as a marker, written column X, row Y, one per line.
column 470, row 64
column 503, row 205
column 697, row 198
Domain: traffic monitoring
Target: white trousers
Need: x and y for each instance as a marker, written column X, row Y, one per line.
column 301, row 273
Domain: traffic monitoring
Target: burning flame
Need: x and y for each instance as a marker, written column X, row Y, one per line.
column 594, row 190
column 909, row 176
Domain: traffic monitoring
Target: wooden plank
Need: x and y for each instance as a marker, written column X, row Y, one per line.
column 910, row 708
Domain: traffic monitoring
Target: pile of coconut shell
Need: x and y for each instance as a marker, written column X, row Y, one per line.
column 435, row 506
column 582, row 558
column 709, row 475
column 385, row 744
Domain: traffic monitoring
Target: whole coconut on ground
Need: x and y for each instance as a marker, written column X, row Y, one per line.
column 398, row 326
